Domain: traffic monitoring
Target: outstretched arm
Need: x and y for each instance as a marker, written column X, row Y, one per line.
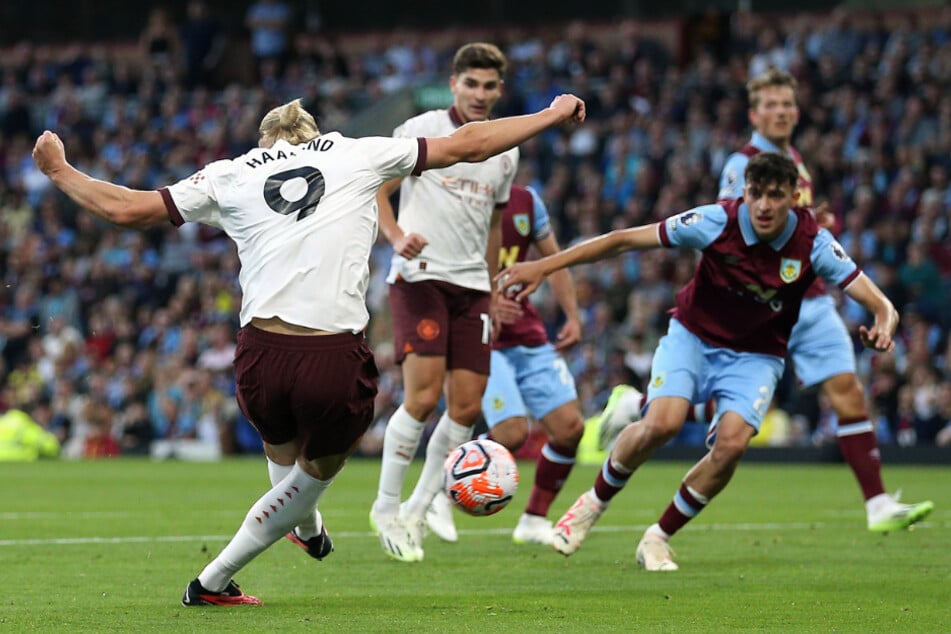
column 478, row 140
column 113, row 203
column 530, row 274
column 564, row 289
column 879, row 336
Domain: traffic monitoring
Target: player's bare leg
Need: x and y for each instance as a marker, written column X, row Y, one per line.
column 701, row 484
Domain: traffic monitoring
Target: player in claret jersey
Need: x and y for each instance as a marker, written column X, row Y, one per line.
column 302, row 211
column 727, row 338
column 820, row 347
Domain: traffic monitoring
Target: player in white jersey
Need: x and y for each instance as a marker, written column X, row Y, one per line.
column 446, row 248
column 301, row 209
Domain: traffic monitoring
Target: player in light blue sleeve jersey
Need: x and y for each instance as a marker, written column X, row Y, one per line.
column 727, row 337
column 820, row 347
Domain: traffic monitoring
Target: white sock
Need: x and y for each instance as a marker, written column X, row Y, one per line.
column 656, row 530
column 400, row 441
column 277, row 472
column 310, row 525
column 699, row 497
column 876, row 503
column 269, row 519
column 447, row 436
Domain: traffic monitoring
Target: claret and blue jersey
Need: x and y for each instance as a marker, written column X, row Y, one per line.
column 746, row 293
column 524, row 222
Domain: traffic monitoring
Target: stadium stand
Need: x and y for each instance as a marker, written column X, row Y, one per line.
column 119, row 343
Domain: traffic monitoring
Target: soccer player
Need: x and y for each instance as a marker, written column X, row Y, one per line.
column 528, row 375
column 302, row 211
column 726, row 340
column 820, row 347
column 446, row 247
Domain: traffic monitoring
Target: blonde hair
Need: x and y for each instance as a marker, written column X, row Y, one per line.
column 772, row 77
column 289, row 122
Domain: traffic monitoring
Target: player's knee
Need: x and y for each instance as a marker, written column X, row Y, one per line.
column 727, row 451
column 511, row 434
column 421, row 403
column 846, row 395
column 568, row 434
column 662, row 428
column 465, row 412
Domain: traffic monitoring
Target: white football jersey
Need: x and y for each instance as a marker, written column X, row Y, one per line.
column 304, row 218
column 452, row 208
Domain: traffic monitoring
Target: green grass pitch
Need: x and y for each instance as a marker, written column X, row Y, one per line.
column 108, row 546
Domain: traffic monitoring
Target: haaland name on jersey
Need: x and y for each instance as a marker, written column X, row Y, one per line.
column 314, row 145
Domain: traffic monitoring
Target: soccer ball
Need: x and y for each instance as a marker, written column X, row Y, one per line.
column 480, row 477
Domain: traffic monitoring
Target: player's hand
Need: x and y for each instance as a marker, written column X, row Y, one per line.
column 507, row 310
column 49, row 153
column 570, row 108
column 569, row 335
column 520, row 279
column 876, row 338
column 824, row 216
column 410, row 245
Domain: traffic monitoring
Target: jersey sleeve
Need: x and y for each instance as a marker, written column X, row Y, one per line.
column 194, row 199
column 695, row 228
column 831, row 262
column 732, row 178
column 401, row 132
column 542, row 227
column 392, row 158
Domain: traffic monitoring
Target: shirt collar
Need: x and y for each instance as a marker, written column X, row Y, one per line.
column 763, row 144
column 749, row 234
column 454, row 116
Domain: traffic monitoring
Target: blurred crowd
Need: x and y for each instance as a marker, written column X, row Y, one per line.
column 121, row 342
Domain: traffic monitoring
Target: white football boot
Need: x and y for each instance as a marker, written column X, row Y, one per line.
column 574, row 525
column 654, row 554
column 439, row 518
column 533, row 529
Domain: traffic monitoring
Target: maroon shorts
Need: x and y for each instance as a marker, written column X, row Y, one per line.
column 318, row 390
column 435, row 318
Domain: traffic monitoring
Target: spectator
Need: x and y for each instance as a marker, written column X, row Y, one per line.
column 160, row 44
column 268, row 21
column 863, row 95
column 203, row 43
